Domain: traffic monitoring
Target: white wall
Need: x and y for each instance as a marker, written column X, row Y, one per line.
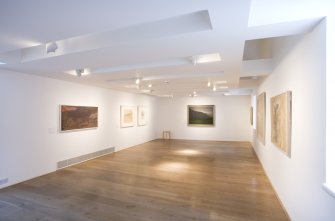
column 232, row 121
column 330, row 124
column 300, row 67
column 30, row 144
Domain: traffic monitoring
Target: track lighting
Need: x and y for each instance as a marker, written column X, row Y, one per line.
column 79, row 72
column 51, row 47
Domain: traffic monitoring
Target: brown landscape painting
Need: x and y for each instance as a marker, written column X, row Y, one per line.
column 281, row 121
column 78, row 117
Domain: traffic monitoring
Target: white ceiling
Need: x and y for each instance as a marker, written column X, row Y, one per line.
column 154, row 40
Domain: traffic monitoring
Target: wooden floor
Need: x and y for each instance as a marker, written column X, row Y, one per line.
column 156, row 181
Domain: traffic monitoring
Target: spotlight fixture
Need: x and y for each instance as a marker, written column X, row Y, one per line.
column 214, row 88
column 79, row 72
column 51, row 47
column 137, row 81
column 208, row 84
column 149, row 85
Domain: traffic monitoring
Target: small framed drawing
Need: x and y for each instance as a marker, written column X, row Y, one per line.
column 127, row 116
column 78, row 117
column 142, row 115
column 201, row 115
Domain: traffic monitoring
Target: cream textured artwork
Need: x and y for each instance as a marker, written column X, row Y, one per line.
column 128, row 116
column 281, row 121
column 141, row 118
column 261, row 116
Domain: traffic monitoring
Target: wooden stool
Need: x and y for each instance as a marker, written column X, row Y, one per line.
column 166, row 135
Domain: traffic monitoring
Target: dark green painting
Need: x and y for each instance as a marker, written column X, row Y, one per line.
column 201, row 115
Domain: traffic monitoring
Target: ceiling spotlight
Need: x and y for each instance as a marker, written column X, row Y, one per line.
column 194, row 92
column 51, row 47
column 150, row 85
column 214, row 88
column 79, row 72
column 137, row 81
column 208, row 84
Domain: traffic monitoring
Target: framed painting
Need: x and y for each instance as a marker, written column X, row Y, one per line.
column 281, row 106
column 127, row 116
column 261, row 116
column 201, row 115
column 142, row 115
column 78, row 117
column 251, row 116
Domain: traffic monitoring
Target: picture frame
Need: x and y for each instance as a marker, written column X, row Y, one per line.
column 201, row 115
column 261, row 117
column 141, row 115
column 78, row 117
column 251, row 116
column 127, row 116
column 281, row 119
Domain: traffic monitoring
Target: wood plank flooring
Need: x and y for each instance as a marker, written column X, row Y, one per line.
column 157, row 181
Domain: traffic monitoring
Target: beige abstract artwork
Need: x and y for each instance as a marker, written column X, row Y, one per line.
column 281, row 121
column 261, row 114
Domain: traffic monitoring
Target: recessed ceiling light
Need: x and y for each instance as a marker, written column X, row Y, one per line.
column 146, row 91
column 208, row 84
column 165, row 95
column 131, row 86
column 214, row 88
column 137, row 81
column 206, row 58
column 223, row 87
column 150, row 85
column 220, row 82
